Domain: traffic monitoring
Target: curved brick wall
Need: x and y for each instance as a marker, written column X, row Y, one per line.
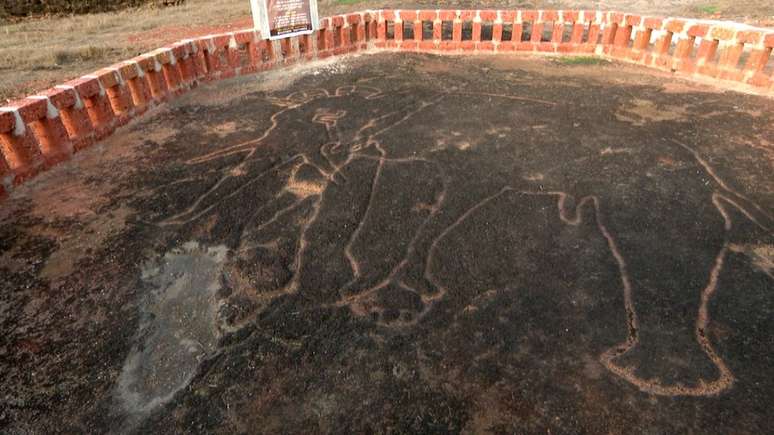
column 40, row 131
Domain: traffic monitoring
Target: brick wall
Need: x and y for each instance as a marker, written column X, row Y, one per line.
column 43, row 130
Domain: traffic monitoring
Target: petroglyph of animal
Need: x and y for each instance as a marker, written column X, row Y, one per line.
column 373, row 211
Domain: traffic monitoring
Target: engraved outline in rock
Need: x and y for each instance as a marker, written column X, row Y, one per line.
column 727, row 196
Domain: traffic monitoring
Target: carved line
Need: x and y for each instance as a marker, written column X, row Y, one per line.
column 724, row 381
column 711, row 172
column 726, row 378
column 510, row 97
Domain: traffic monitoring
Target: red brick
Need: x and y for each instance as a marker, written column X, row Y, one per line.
column 748, row 37
column 633, row 20
column 52, row 138
column 476, row 36
column 577, row 33
column 61, row 98
column 653, row 23
column 179, row 50
column 683, row 48
column 757, row 60
column 566, row 48
column 570, row 16
column 437, row 30
column 723, row 33
column 558, row 33
column 427, row 45
column 30, row 110
column 760, row 80
column 408, row 15
column 622, row 36
column 467, row 45
column 709, row 70
column 5, row 174
column 7, row 122
column 486, row 46
column 593, row 36
column 729, row 56
column 408, row 45
column 507, row 16
column 244, row 36
column 516, row 37
column 506, row 46
column 698, row 30
column 497, row 32
column 737, row 76
column 221, row 40
column 642, row 39
column 162, row 55
column 550, row 15
column 109, row 78
column 448, row 45
column 147, row 64
column 591, row 16
column 21, row 153
column 428, row 15
column 675, row 26
column 488, row 15
column 529, row 15
column 457, row 31
column 467, row 15
column 707, row 49
column 447, row 15
column 127, row 70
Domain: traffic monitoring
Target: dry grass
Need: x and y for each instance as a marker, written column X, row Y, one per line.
column 35, row 54
column 38, row 53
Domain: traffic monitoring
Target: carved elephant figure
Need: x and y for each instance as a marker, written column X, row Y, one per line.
column 387, row 195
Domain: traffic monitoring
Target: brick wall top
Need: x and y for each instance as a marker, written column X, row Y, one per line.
column 73, row 115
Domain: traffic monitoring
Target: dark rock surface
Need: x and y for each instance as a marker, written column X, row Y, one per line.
column 402, row 244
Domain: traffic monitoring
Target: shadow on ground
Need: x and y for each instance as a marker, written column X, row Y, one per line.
column 402, row 243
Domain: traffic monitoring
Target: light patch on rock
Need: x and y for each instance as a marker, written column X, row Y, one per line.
column 762, row 256
column 639, row 112
column 178, row 327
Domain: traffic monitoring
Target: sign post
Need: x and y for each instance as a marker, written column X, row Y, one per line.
column 277, row 19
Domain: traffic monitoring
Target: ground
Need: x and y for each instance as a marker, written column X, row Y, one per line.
column 402, row 243
column 38, row 53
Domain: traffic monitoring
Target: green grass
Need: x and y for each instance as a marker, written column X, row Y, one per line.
column 580, row 60
column 708, row 9
column 348, row 2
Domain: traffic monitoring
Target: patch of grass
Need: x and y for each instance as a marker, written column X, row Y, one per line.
column 81, row 54
column 348, row 2
column 39, row 52
column 580, row 60
column 708, row 9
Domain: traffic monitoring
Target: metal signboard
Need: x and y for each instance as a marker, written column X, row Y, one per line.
column 277, row 19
